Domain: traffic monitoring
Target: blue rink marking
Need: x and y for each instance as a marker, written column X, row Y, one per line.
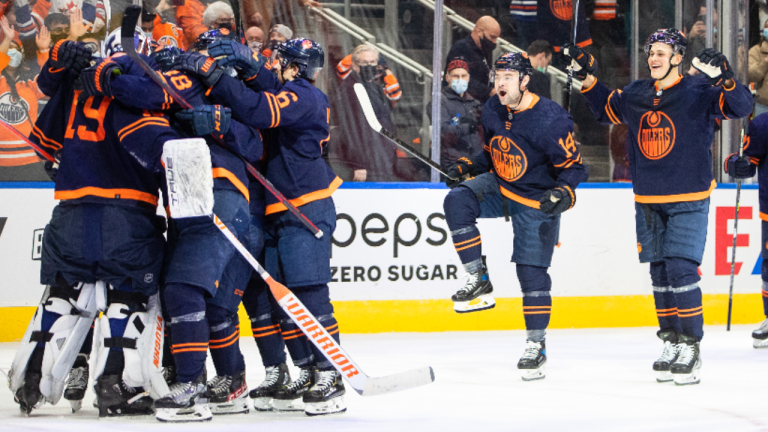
column 375, row 185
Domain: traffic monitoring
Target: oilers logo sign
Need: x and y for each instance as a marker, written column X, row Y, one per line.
column 13, row 111
column 656, row 135
column 509, row 161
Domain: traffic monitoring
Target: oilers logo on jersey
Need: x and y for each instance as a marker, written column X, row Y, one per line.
column 562, row 9
column 656, row 135
column 13, row 111
column 509, row 161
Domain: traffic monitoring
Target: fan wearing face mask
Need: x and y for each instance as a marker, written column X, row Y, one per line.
column 758, row 70
column 19, row 95
column 477, row 50
column 461, row 132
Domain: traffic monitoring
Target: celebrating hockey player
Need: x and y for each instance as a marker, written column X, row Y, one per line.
column 528, row 171
column 753, row 160
column 103, row 250
column 671, row 122
column 298, row 112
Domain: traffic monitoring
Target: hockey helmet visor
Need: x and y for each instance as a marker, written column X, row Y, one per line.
column 306, row 54
column 512, row 61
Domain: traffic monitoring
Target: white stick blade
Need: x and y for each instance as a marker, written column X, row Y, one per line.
column 398, row 382
column 365, row 102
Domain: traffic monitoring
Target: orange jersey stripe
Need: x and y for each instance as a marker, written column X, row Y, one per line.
column 106, row 193
column 307, row 198
column 224, row 173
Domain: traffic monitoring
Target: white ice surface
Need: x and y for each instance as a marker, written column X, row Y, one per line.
column 597, row 380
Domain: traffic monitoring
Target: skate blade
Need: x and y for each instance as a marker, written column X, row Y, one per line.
column 760, row 343
column 664, row 376
column 288, row 405
column 331, row 406
column 237, row 406
column 483, row 302
column 201, row 412
column 262, row 404
column 533, row 374
column 76, row 405
column 687, row 379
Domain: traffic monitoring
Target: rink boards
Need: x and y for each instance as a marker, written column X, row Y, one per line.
column 394, row 267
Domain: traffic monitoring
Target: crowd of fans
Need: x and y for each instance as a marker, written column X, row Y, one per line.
column 31, row 27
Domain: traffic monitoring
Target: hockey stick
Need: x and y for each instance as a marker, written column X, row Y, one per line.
column 315, row 332
column 735, row 231
column 130, row 18
column 569, row 80
column 370, row 115
column 26, row 140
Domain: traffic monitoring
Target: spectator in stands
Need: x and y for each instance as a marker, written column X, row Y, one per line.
column 219, row 15
column 540, row 54
column 189, row 17
column 278, row 34
column 370, row 156
column 163, row 32
column 77, row 27
column 383, row 76
column 91, row 11
column 476, row 49
column 758, row 70
column 58, row 25
column 20, row 95
column 461, row 133
column 523, row 13
column 254, row 37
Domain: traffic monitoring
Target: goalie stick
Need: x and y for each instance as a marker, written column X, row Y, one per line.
column 295, row 309
column 370, row 115
column 130, row 18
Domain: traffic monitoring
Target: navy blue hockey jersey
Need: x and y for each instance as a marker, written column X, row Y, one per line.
column 530, row 151
column 299, row 115
column 554, row 18
column 756, row 149
column 106, row 150
column 670, row 155
column 136, row 89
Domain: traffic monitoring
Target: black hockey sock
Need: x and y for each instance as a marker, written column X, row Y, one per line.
column 537, row 308
column 666, row 308
column 224, row 341
column 189, row 329
column 690, row 310
column 87, row 343
column 115, row 363
column 298, row 345
column 317, row 300
column 461, row 212
column 469, row 246
column 765, row 298
column 265, row 322
column 332, row 327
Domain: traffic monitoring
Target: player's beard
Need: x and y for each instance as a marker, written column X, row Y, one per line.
column 511, row 96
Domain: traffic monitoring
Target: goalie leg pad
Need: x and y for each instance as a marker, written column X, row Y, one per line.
column 59, row 328
column 188, row 172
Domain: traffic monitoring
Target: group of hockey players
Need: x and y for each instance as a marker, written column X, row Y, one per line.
column 154, row 308
column 149, row 309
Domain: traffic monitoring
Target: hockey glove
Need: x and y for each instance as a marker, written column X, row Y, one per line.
column 230, row 53
column 460, row 171
column 739, row 167
column 203, row 67
column 557, row 200
column 205, row 120
column 97, row 79
column 714, row 65
column 73, row 56
column 583, row 63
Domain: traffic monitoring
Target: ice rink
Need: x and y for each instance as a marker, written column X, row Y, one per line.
column 597, row 380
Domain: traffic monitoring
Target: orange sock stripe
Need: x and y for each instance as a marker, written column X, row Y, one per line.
column 667, row 310
column 690, row 310
column 189, row 350
column 235, row 333
column 765, row 293
column 261, row 335
column 666, row 314
column 466, row 241
column 332, row 327
column 205, row 344
column 691, row 314
column 479, row 242
column 293, row 337
column 537, row 313
column 333, row 332
column 226, row 344
column 291, row 332
column 537, row 307
column 265, row 328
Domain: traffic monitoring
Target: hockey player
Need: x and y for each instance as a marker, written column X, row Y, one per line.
column 671, row 125
column 205, row 278
column 104, row 246
column 528, row 171
column 297, row 113
column 753, row 161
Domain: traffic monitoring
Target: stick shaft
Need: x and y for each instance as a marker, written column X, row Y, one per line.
column 26, row 140
column 735, row 235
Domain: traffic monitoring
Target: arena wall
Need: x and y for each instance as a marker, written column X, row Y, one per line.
column 394, row 266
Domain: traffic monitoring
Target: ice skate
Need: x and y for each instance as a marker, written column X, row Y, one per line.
column 668, row 356
column 289, row 398
column 475, row 295
column 184, row 396
column 686, row 370
column 531, row 364
column 326, row 396
column 77, row 383
column 760, row 336
column 116, row 399
column 228, row 394
column 276, row 379
column 28, row 396
column 169, row 374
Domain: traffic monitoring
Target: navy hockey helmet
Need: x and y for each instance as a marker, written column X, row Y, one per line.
column 307, row 54
column 671, row 36
column 166, row 56
column 513, row 61
column 211, row 36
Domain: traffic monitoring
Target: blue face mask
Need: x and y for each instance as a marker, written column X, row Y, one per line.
column 765, row 34
column 541, row 69
column 459, row 85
